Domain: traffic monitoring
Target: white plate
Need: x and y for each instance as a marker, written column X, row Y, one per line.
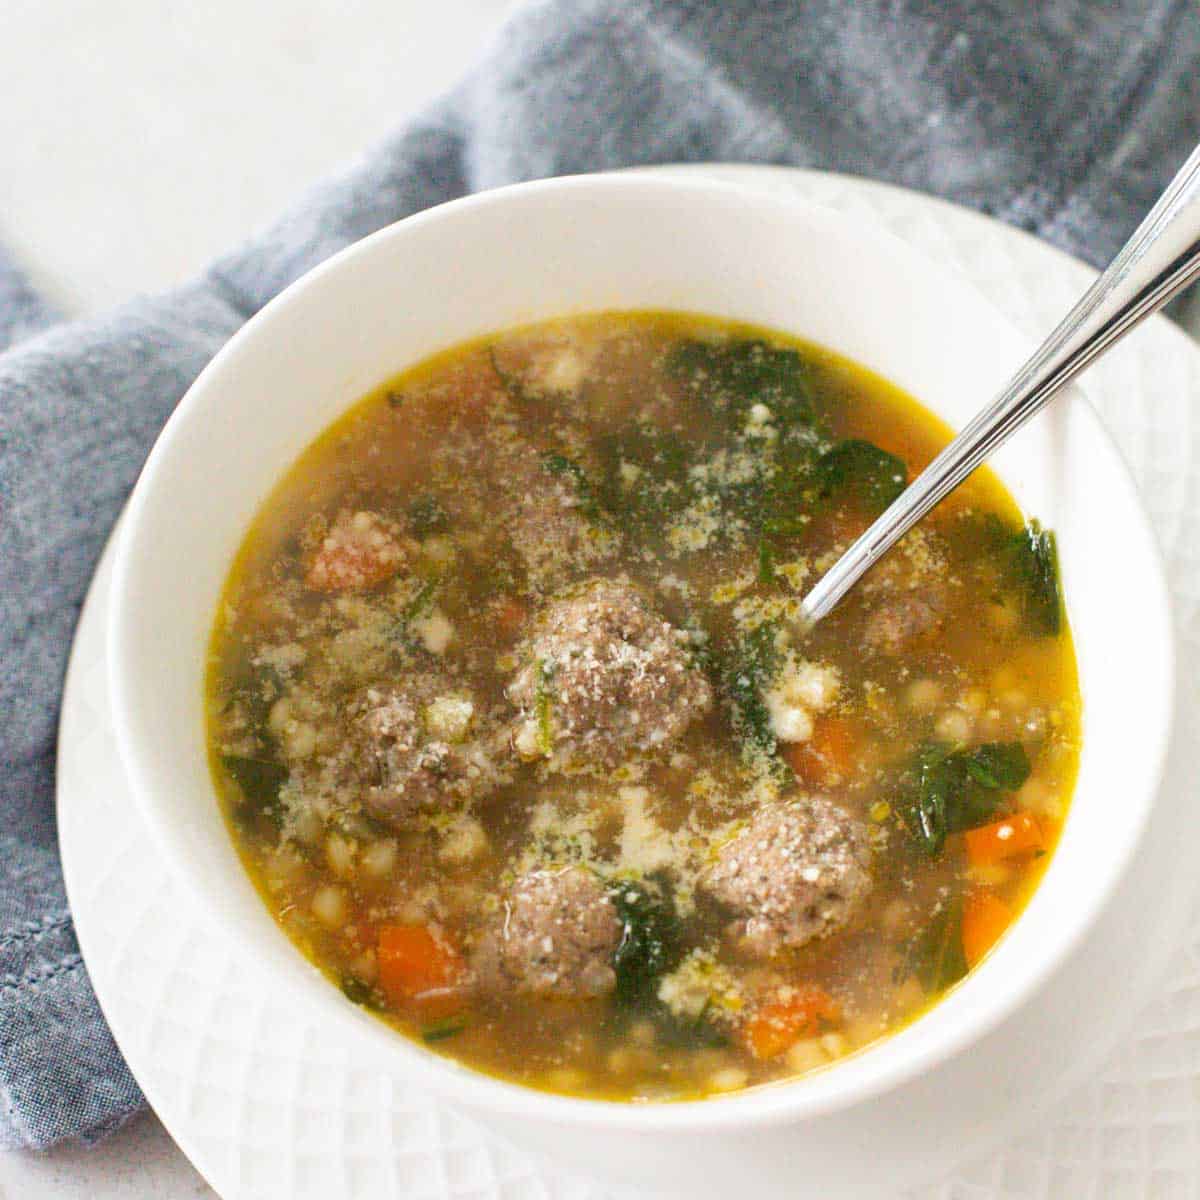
column 266, row 1105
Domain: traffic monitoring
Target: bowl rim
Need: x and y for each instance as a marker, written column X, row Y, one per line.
column 820, row 1093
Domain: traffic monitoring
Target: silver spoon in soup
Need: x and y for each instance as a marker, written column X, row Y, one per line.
column 1155, row 264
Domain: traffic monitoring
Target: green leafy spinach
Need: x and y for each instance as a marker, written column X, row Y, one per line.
column 543, row 700
column 699, row 1033
column 508, row 381
column 660, row 490
column 441, row 1030
column 766, row 561
column 748, row 672
column 1027, row 559
column 650, row 940
column 858, row 468
column 1032, row 559
column 737, row 374
column 358, row 992
column 935, row 956
column 422, row 602
column 426, row 515
column 560, row 464
column 259, row 780
column 950, row 790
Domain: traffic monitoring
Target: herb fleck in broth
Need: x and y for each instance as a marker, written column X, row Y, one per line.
column 518, row 737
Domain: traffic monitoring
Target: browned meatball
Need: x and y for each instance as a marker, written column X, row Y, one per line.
column 540, row 501
column 901, row 622
column 542, row 504
column 423, row 747
column 604, row 676
column 798, row 872
column 360, row 550
column 556, row 937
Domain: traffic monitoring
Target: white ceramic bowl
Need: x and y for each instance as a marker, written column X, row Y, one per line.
column 577, row 245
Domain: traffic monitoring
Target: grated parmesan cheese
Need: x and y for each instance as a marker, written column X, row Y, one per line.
column 803, row 688
column 701, row 985
column 434, row 630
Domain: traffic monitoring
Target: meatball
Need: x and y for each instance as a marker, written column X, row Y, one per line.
column 901, row 622
column 557, row 937
column 603, row 676
column 361, row 550
column 908, row 593
column 543, row 498
column 424, row 747
column 540, row 501
column 798, row 872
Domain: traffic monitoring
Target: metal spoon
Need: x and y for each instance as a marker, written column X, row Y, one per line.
column 1159, row 260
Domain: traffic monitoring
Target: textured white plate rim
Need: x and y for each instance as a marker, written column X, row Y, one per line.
column 75, row 872
column 903, row 1056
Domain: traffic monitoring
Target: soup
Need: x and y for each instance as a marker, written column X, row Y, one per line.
column 521, row 739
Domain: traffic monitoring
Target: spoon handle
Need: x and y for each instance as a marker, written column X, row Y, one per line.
column 1159, row 260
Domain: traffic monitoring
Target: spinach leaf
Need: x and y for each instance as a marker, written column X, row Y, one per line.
column 1027, row 558
column 660, row 452
column 661, row 490
column 542, row 702
column 560, row 464
column 1032, row 558
column 926, row 813
column 259, row 780
column 650, row 940
column 999, row 765
column 405, row 639
column 734, row 375
column 358, row 992
column 441, row 1030
column 766, row 561
column 773, row 478
column 696, row 1034
column 426, row 515
column 949, row 791
column 421, row 603
column 777, row 503
column 509, row 382
column 775, row 492
column 974, row 533
column 862, row 470
column 786, row 525
column 258, row 686
column 748, row 672
column 935, row 956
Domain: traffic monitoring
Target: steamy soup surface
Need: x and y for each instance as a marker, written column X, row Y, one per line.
column 519, row 736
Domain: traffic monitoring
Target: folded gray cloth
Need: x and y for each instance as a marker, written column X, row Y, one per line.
column 1065, row 118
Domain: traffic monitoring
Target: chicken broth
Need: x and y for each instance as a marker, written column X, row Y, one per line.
column 520, row 737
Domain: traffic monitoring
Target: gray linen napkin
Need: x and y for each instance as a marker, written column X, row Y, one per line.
column 1064, row 118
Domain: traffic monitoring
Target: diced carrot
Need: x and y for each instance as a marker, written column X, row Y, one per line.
column 419, row 971
column 1008, row 838
column 985, row 917
column 781, row 1023
column 828, row 757
column 359, row 551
